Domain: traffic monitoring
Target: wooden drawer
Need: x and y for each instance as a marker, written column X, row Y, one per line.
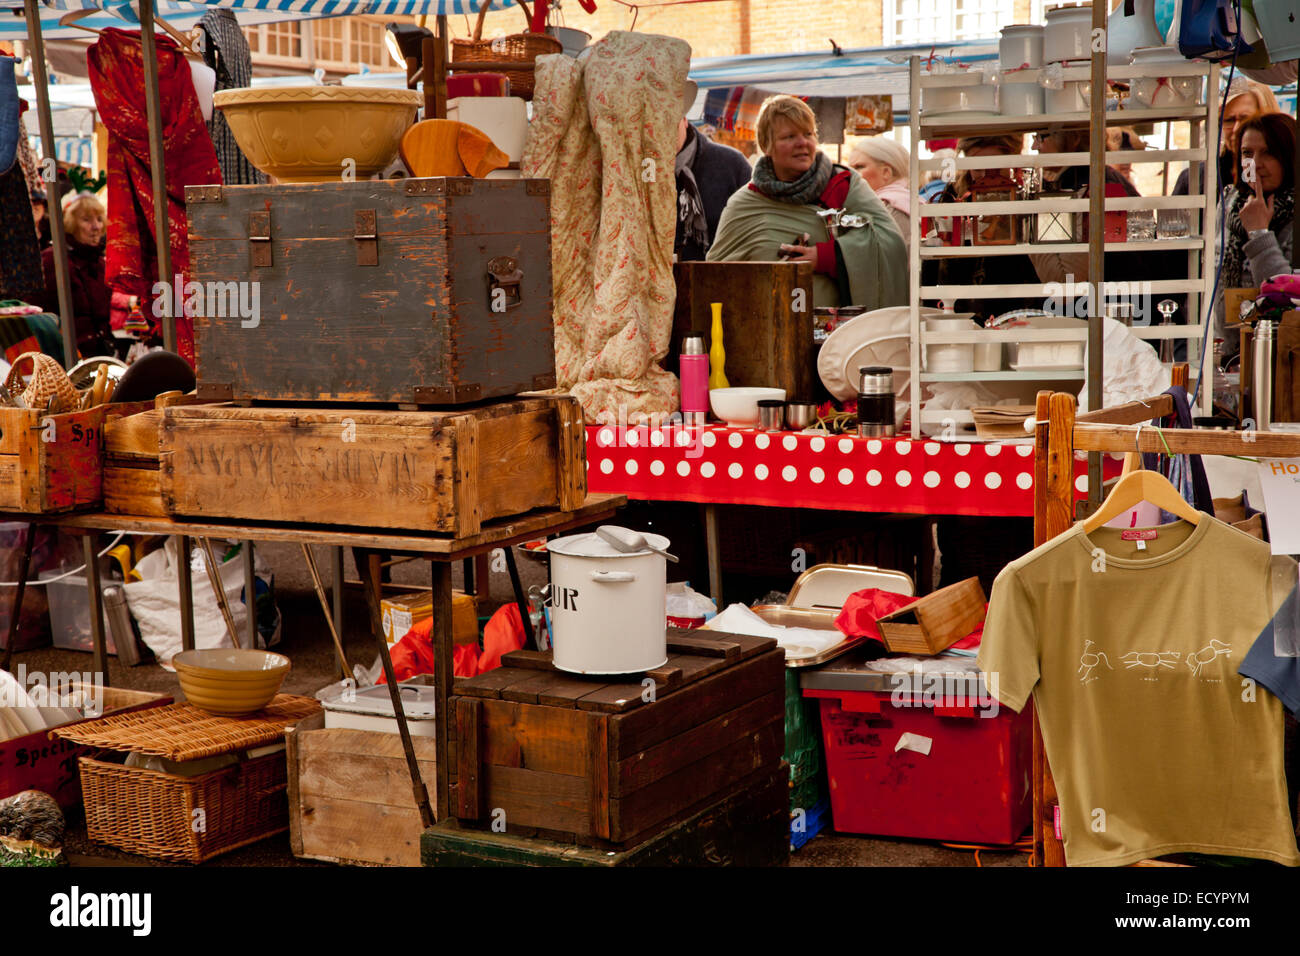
column 419, row 471
column 50, row 463
column 132, row 434
column 542, row 752
column 373, row 291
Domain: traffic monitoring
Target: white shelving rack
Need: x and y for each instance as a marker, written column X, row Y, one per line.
column 1203, row 197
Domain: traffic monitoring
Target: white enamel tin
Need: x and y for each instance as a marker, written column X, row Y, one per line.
column 608, row 609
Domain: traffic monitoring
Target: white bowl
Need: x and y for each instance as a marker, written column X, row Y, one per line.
column 739, row 406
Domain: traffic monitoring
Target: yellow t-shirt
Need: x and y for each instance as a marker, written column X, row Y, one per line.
column 1156, row 744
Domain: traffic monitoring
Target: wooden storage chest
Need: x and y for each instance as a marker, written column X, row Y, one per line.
column 427, row 291
column 447, row 471
column 612, row 764
column 50, row 463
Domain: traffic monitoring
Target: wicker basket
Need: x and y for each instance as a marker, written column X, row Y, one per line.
column 520, row 48
column 155, row 814
column 48, row 379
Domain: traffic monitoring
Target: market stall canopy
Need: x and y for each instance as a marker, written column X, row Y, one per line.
column 182, row 15
column 871, row 71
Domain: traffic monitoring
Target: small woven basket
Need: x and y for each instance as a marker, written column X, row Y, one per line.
column 48, row 378
column 521, row 48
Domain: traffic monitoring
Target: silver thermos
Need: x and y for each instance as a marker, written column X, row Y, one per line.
column 876, row 402
column 1262, row 374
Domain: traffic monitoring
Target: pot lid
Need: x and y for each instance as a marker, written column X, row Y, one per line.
column 592, row 545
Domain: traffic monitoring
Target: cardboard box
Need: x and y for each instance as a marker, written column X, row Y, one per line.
column 403, row 611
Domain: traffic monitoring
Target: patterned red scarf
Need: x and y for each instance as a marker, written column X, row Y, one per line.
column 116, row 63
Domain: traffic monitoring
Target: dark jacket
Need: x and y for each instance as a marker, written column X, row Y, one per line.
column 91, row 296
column 719, row 171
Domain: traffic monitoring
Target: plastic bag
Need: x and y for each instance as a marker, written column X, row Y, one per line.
column 687, row 607
column 155, row 602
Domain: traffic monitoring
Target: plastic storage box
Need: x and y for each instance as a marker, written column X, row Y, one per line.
column 904, row 766
column 70, row 613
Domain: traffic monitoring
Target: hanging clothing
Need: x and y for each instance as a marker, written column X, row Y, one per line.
column 10, row 111
column 20, row 252
column 1131, row 654
column 226, row 51
column 116, row 78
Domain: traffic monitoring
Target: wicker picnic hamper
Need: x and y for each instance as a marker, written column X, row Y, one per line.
column 520, row 48
column 167, row 816
column 193, row 819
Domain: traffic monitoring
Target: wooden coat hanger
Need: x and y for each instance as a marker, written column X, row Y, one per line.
column 1136, row 486
column 184, row 42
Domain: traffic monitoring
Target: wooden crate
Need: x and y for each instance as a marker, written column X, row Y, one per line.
column 350, row 798
column 374, row 291
column 935, row 622
column 768, row 342
column 50, row 463
column 38, row 762
column 131, row 448
column 582, row 760
column 748, row 827
column 445, row 471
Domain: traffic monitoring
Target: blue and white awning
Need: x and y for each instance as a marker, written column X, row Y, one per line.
column 183, row 15
column 864, row 72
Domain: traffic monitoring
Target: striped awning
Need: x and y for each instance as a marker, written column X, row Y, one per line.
column 183, row 15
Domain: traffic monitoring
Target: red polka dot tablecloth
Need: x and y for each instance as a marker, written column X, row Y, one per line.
column 744, row 466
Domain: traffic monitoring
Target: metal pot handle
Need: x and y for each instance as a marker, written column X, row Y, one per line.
column 612, row 577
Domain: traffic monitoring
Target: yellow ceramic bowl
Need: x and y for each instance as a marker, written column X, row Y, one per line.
column 230, row 682
column 307, row 134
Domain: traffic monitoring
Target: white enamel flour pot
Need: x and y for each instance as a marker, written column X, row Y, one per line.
column 609, row 610
column 1068, row 33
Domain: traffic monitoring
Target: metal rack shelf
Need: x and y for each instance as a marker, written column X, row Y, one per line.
column 1198, row 246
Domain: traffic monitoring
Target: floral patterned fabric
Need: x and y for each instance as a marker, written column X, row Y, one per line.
column 604, row 131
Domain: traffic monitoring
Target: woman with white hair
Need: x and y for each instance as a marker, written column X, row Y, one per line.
column 883, row 163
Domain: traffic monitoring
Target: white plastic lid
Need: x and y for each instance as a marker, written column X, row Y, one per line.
column 417, row 702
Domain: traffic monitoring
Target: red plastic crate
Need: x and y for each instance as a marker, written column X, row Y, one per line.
column 973, row 787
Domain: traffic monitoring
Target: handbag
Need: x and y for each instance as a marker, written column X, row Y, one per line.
column 1209, row 29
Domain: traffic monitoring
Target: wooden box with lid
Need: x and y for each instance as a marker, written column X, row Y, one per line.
column 611, row 762
column 422, row 291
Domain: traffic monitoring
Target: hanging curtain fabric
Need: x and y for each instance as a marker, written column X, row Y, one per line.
column 21, row 276
column 226, row 51
column 116, row 78
column 20, row 254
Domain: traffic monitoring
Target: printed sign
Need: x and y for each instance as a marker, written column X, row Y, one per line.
column 1279, row 479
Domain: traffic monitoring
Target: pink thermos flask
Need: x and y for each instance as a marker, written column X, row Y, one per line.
column 693, row 370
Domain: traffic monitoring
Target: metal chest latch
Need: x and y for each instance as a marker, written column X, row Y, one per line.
column 504, row 277
column 259, row 238
column 367, row 237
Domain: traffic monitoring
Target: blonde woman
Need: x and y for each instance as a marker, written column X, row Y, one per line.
column 84, row 223
column 883, row 163
column 1245, row 99
column 777, row 216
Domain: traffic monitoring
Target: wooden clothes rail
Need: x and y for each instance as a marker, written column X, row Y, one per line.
column 1058, row 435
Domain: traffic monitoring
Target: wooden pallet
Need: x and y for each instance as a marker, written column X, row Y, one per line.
column 747, row 827
column 611, row 764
